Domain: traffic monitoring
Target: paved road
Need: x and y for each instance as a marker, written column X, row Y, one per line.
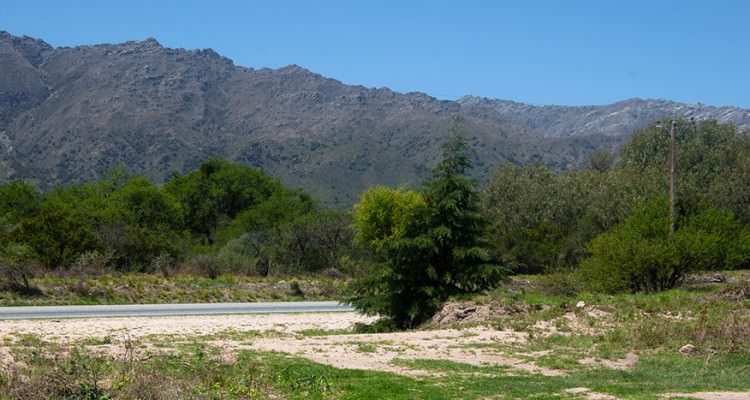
column 154, row 310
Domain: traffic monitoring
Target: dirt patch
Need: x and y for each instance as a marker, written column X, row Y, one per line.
column 736, row 291
column 587, row 320
column 6, row 358
column 140, row 338
column 70, row 330
column 624, row 363
column 467, row 312
column 709, row 395
column 590, row 395
column 136, row 338
column 379, row 351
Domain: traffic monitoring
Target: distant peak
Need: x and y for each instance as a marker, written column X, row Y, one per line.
column 293, row 68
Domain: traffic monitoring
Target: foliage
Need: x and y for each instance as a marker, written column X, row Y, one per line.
column 540, row 221
column 218, row 192
column 17, row 265
column 237, row 212
column 57, row 235
column 429, row 247
column 288, row 233
column 601, row 161
column 543, row 222
column 17, row 201
column 314, row 241
column 713, row 163
column 385, row 214
column 456, row 226
column 642, row 255
column 140, row 223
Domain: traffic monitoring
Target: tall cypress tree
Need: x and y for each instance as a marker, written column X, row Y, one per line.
column 456, row 227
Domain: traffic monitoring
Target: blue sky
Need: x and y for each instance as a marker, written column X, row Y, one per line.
column 567, row 52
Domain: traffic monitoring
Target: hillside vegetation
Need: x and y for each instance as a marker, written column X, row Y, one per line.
column 605, row 228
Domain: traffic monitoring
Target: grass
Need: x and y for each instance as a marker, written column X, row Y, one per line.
column 196, row 373
column 134, row 288
column 366, row 348
column 652, row 326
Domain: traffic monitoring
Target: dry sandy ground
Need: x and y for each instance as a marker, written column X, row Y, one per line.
column 284, row 333
column 69, row 330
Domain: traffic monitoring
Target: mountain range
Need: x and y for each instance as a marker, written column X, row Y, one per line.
column 68, row 114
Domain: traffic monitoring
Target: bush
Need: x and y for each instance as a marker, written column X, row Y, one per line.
column 203, row 265
column 642, row 255
column 562, row 283
column 87, row 264
column 57, row 236
column 17, row 266
column 164, row 263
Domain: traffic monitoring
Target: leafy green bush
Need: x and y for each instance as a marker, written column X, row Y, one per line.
column 57, row 235
column 140, row 223
column 642, row 255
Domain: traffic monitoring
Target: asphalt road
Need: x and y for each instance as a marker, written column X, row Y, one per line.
column 156, row 310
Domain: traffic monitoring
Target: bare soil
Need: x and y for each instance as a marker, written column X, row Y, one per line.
column 294, row 334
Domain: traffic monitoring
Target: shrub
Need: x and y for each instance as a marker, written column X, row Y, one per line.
column 203, row 265
column 87, row 264
column 641, row 254
column 17, row 266
column 561, row 283
column 57, row 235
column 164, row 263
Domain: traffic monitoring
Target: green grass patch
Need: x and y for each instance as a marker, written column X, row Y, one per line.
column 323, row 332
column 366, row 348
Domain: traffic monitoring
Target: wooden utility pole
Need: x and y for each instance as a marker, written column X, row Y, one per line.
column 672, row 163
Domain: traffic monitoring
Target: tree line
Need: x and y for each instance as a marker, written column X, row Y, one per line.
column 604, row 228
column 222, row 218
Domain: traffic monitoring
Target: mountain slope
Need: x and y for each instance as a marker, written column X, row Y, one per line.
column 69, row 114
column 616, row 119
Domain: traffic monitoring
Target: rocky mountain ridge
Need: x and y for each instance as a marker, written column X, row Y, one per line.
column 68, row 114
column 621, row 118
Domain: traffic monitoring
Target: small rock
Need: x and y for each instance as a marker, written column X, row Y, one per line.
column 581, row 304
column 688, row 350
column 718, row 278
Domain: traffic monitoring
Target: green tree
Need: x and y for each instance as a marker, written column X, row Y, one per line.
column 713, row 164
column 429, row 247
column 217, row 193
column 456, row 226
column 140, row 223
column 384, row 214
column 259, row 235
column 541, row 221
column 313, row 241
column 57, row 235
column 18, row 200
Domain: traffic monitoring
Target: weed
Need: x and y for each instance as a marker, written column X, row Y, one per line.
column 366, row 348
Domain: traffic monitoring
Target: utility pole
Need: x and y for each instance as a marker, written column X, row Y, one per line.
column 673, row 162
